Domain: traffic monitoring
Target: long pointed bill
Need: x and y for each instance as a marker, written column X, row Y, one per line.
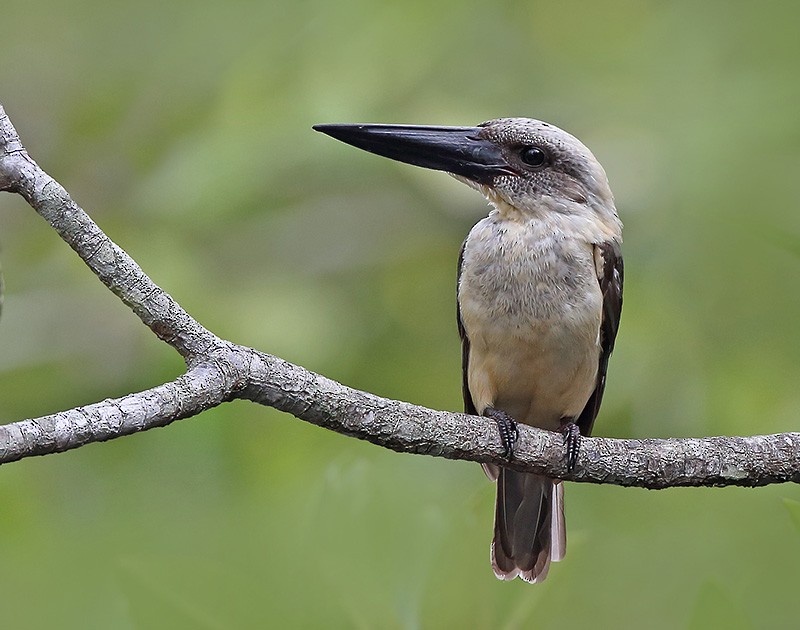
column 457, row 150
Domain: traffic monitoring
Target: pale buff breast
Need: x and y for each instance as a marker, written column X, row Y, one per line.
column 531, row 307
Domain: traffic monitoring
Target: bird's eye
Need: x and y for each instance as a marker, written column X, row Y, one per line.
column 533, row 156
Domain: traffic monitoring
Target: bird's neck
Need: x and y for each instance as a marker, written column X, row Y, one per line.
column 577, row 220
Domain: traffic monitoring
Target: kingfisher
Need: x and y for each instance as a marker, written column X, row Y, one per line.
column 539, row 301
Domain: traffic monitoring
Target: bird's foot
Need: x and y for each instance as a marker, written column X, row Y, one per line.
column 572, row 440
column 507, row 427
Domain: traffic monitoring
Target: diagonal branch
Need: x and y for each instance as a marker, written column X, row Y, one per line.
column 109, row 262
column 220, row 371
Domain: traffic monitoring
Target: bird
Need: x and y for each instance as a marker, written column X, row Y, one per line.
column 539, row 298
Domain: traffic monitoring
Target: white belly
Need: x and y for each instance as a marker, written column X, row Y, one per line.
column 531, row 308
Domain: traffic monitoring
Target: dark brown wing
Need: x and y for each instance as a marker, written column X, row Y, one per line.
column 469, row 406
column 492, row 471
column 610, row 276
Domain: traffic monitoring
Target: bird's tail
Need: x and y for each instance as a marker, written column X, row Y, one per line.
column 529, row 528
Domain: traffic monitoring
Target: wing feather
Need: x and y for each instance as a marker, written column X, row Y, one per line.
column 492, row 471
column 610, row 275
column 469, row 405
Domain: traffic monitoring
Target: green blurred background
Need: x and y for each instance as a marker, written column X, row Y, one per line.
column 184, row 129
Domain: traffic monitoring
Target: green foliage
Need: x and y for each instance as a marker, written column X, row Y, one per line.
column 184, row 129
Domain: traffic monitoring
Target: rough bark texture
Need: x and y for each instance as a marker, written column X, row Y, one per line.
column 219, row 371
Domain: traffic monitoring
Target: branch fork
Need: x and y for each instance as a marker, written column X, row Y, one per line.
column 219, row 371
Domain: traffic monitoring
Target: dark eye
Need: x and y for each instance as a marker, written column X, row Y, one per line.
column 533, row 156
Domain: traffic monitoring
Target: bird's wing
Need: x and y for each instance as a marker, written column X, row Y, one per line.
column 469, row 405
column 492, row 471
column 608, row 262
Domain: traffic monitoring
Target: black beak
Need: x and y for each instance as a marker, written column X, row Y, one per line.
column 457, row 150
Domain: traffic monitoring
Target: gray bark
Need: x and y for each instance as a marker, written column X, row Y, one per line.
column 220, row 371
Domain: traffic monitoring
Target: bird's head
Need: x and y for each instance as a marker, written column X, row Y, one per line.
column 520, row 163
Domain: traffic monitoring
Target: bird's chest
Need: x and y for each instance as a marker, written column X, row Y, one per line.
column 527, row 280
column 531, row 307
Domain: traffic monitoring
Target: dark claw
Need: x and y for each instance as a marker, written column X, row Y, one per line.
column 507, row 427
column 572, row 439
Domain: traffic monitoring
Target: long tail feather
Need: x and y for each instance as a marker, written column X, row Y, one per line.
column 529, row 528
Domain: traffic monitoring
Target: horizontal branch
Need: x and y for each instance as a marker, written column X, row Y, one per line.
column 220, row 371
column 242, row 372
column 400, row 426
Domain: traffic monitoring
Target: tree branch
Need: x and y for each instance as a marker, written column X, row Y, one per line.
column 109, row 262
column 219, row 371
